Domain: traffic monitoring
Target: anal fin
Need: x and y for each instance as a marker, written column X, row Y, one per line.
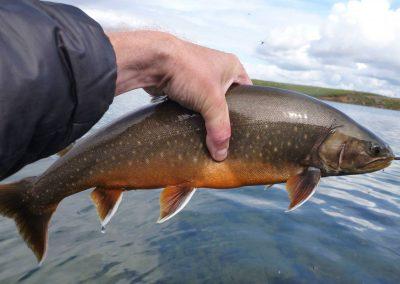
column 107, row 202
column 302, row 186
column 172, row 200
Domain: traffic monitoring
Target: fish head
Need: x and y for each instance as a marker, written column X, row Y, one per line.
column 354, row 150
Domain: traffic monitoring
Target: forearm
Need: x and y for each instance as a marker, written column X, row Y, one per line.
column 144, row 58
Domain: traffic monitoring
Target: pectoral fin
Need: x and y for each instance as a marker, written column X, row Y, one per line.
column 302, row 186
column 107, row 202
column 172, row 200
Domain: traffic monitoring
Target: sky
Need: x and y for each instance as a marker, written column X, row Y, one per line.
column 341, row 44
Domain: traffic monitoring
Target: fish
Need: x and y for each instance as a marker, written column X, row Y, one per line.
column 277, row 136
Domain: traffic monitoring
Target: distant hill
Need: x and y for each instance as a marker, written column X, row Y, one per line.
column 337, row 95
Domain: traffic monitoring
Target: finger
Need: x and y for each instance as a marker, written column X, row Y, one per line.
column 242, row 78
column 218, row 128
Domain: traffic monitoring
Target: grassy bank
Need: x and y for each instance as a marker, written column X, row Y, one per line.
column 337, row 95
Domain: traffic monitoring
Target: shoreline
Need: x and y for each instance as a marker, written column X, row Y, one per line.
column 338, row 95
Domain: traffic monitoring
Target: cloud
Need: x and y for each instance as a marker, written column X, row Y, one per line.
column 353, row 44
column 356, row 47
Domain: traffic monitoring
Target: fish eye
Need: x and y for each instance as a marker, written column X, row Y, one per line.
column 376, row 150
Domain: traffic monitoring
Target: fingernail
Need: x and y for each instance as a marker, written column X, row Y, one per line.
column 221, row 154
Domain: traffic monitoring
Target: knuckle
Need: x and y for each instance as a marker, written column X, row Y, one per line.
column 232, row 57
column 222, row 136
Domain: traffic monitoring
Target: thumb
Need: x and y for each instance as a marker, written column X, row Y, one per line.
column 218, row 128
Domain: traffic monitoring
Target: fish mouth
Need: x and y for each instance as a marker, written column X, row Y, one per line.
column 378, row 163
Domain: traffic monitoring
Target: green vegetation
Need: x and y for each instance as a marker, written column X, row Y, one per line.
column 337, row 95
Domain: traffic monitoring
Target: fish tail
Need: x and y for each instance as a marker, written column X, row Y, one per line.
column 16, row 204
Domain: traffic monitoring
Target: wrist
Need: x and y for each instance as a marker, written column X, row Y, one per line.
column 143, row 58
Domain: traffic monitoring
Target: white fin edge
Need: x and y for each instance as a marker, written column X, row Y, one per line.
column 44, row 255
column 159, row 221
column 111, row 214
column 304, row 201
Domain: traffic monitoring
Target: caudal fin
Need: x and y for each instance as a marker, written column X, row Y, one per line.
column 33, row 226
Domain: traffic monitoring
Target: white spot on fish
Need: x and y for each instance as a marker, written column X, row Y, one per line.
column 296, row 115
column 139, row 143
column 305, row 136
column 195, row 159
column 275, row 149
column 147, row 161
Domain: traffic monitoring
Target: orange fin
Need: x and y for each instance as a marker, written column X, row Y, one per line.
column 107, row 202
column 32, row 226
column 302, row 186
column 172, row 200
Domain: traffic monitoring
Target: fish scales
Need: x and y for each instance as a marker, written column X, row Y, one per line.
column 164, row 144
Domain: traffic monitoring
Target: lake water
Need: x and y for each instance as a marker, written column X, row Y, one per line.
column 348, row 232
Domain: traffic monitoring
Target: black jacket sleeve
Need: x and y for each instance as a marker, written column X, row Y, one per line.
column 57, row 78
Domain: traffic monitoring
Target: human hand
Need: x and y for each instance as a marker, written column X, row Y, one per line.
column 194, row 76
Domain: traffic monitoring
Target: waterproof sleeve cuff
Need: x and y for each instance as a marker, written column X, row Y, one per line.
column 57, row 78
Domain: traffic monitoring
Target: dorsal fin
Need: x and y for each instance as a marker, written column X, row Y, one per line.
column 107, row 202
column 172, row 200
column 302, row 186
column 64, row 151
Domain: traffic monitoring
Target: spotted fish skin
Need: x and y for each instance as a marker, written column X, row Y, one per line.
column 164, row 144
column 277, row 136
